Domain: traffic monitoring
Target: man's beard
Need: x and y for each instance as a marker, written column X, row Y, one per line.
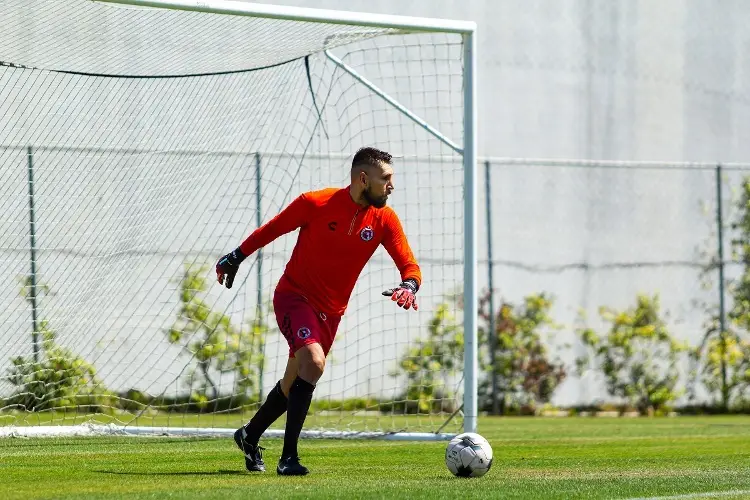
column 375, row 201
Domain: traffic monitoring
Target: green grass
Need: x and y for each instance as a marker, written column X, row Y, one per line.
column 540, row 458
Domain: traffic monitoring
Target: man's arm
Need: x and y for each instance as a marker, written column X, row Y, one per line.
column 397, row 246
column 292, row 217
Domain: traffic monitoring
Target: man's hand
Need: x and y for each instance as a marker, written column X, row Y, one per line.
column 227, row 267
column 405, row 295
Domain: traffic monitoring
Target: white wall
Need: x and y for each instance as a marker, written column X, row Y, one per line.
column 623, row 79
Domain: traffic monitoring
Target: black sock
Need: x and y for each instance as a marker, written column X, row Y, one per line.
column 274, row 407
column 300, row 396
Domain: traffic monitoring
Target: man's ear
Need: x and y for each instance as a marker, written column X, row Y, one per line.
column 363, row 178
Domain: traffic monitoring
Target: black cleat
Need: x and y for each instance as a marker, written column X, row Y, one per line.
column 290, row 466
column 253, row 453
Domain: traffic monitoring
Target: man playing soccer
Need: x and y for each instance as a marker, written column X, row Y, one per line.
column 340, row 229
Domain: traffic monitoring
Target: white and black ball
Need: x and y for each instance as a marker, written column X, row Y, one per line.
column 468, row 455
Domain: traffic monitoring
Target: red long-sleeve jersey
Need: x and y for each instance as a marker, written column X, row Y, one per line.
column 337, row 237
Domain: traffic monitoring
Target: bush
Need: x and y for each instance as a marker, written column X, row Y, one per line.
column 214, row 344
column 134, row 400
column 429, row 364
column 351, row 404
column 59, row 379
column 527, row 376
column 637, row 356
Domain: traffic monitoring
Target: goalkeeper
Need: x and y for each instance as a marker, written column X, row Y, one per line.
column 340, row 229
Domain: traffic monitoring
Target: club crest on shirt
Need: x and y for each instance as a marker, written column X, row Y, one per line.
column 367, row 233
column 303, row 332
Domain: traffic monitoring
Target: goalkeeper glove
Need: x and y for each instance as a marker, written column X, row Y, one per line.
column 227, row 267
column 405, row 295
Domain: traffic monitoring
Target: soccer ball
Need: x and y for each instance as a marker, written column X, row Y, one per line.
column 468, row 455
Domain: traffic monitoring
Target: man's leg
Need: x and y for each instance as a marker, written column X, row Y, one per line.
column 276, row 403
column 290, row 374
column 311, row 362
column 247, row 436
column 274, row 407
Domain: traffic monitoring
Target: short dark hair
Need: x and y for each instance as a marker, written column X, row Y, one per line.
column 369, row 156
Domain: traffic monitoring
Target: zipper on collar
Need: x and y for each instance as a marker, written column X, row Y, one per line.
column 351, row 226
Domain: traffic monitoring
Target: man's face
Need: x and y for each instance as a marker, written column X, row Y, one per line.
column 379, row 185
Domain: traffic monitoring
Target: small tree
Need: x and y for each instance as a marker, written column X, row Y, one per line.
column 214, row 343
column 730, row 353
column 721, row 359
column 637, row 355
column 59, row 378
column 433, row 360
column 735, row 347
column 526, row 376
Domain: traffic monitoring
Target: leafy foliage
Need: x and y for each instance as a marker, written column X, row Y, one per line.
column 637, row 355
column 526, row 373
column 735, row 354
column 736, row 347
column 722, row 356
column 59, row 378
column 430, row 362
column 740, row 289
column 214, row 343
column 526, row 376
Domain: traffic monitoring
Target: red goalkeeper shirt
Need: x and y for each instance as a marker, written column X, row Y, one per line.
column 337, row 237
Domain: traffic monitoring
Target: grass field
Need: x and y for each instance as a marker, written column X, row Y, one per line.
column 539, row 458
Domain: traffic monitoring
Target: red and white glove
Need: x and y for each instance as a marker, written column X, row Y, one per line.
column 405, row 295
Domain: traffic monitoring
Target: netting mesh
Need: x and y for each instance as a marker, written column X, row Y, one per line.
column 140, row 184
column 110, row 39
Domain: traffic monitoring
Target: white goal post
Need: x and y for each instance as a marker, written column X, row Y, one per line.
column 366, row 115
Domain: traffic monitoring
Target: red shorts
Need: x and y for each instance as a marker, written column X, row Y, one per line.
column 301, row 324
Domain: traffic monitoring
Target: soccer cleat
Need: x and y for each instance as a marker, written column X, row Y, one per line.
column 290, row 466
column 253, row 453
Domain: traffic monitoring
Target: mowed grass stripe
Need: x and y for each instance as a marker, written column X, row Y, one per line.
column 535, row 458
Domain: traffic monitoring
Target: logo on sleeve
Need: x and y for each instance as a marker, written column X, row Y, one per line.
column 367, row 233
column 303, row 332
column 332, row 225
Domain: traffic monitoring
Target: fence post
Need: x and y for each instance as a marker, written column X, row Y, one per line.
column 722, row 304
column 491, row 334
column 259, row 307
column 32, row 279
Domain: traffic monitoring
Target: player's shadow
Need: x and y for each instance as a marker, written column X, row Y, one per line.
column 181, row 473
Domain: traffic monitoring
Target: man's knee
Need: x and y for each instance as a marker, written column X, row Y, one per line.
column 312, row 362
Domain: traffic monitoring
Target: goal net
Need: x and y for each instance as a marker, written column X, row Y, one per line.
column 139, row 144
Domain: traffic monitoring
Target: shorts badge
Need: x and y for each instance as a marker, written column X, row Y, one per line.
column 303, row 332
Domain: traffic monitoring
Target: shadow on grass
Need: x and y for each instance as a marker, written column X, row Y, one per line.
column 67, row 442
column 181, row 473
